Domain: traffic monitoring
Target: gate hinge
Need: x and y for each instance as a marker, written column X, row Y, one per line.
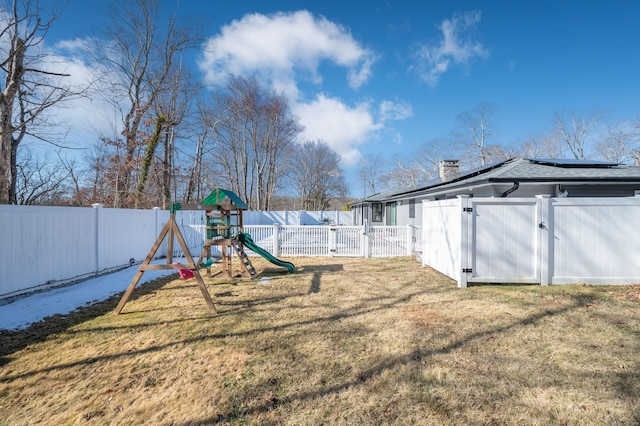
column 467, row 209
column 467, row 270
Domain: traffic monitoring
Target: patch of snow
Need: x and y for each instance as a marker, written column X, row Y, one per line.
column 23, row 311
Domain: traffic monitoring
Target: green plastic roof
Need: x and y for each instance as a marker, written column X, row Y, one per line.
column 225, row 198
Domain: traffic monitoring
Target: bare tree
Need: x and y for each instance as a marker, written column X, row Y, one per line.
column 542, row 146
column 474, row 131
column 41, row 181
column 574, row 132
column 403, row 174
column 74, row 174
column 252, row 132
column 432, row 153
column 316, row 174
column 423, row 166
column 97, row 186
column 141, row 60
column 498, row 153
column 176, row 104
column 621, row 145
column 31, row 85
column 195, row 190
column 370, row 170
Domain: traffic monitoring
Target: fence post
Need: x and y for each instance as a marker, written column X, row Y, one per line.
column 276, row 240
column 97, row 207
column 333, row 240
column 156, row 209
column 409, row 240
column 545, row 229
column 365, row 239
column 465, row 223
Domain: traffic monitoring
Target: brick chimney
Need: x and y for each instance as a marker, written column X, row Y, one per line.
column 449, row 168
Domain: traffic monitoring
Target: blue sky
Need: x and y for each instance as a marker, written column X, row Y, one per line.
column 387, row 77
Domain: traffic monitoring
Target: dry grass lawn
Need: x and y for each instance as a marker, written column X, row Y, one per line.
column 342, row 342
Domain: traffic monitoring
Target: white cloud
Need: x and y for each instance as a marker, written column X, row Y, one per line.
column 395, row 111
column 283, row 47
column 341, row 127
column 75, row 45
column 82, row 118
column 346, row 128
column 453, row 49
column 89, row 115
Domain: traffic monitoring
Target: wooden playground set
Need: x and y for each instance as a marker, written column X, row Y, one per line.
column 223, row 212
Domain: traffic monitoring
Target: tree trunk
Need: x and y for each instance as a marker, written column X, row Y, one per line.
column 167, row 167
column 148, row 158
column 5, row 162
column 13, row 81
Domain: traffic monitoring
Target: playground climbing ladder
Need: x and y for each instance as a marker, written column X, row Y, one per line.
column 244, row 259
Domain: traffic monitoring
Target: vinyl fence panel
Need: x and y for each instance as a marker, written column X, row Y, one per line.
column 46, row 246
column 116, row 228
column 442, row 236
column 596, row 240
column 388, row 241
column 42, row 245
column 265, row 237
column 304, row 241
column 505, row 241
column 296, row 218
column 538, row 240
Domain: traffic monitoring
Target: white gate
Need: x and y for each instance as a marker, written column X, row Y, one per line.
column 504, row 241
column 347, row 241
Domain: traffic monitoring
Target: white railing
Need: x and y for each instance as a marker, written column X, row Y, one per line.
column 309, row 241
column 312, row 241
column 389, row 241
column 350, row 241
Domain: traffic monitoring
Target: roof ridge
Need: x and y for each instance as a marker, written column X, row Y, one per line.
column 509, row 165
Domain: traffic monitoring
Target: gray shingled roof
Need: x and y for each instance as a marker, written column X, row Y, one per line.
column 522, row 170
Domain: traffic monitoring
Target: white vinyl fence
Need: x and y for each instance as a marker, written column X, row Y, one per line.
column 44, row 246
column 336, row 241
column 294, row 217
column 538, row 240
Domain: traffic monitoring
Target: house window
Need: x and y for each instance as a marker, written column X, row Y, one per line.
column 376, row 211
column 412, row 208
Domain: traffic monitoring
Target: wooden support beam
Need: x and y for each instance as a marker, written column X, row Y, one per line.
column 170, row 229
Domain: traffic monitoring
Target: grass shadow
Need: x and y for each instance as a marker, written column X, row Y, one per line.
column 317, row 271
column 418, row 355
